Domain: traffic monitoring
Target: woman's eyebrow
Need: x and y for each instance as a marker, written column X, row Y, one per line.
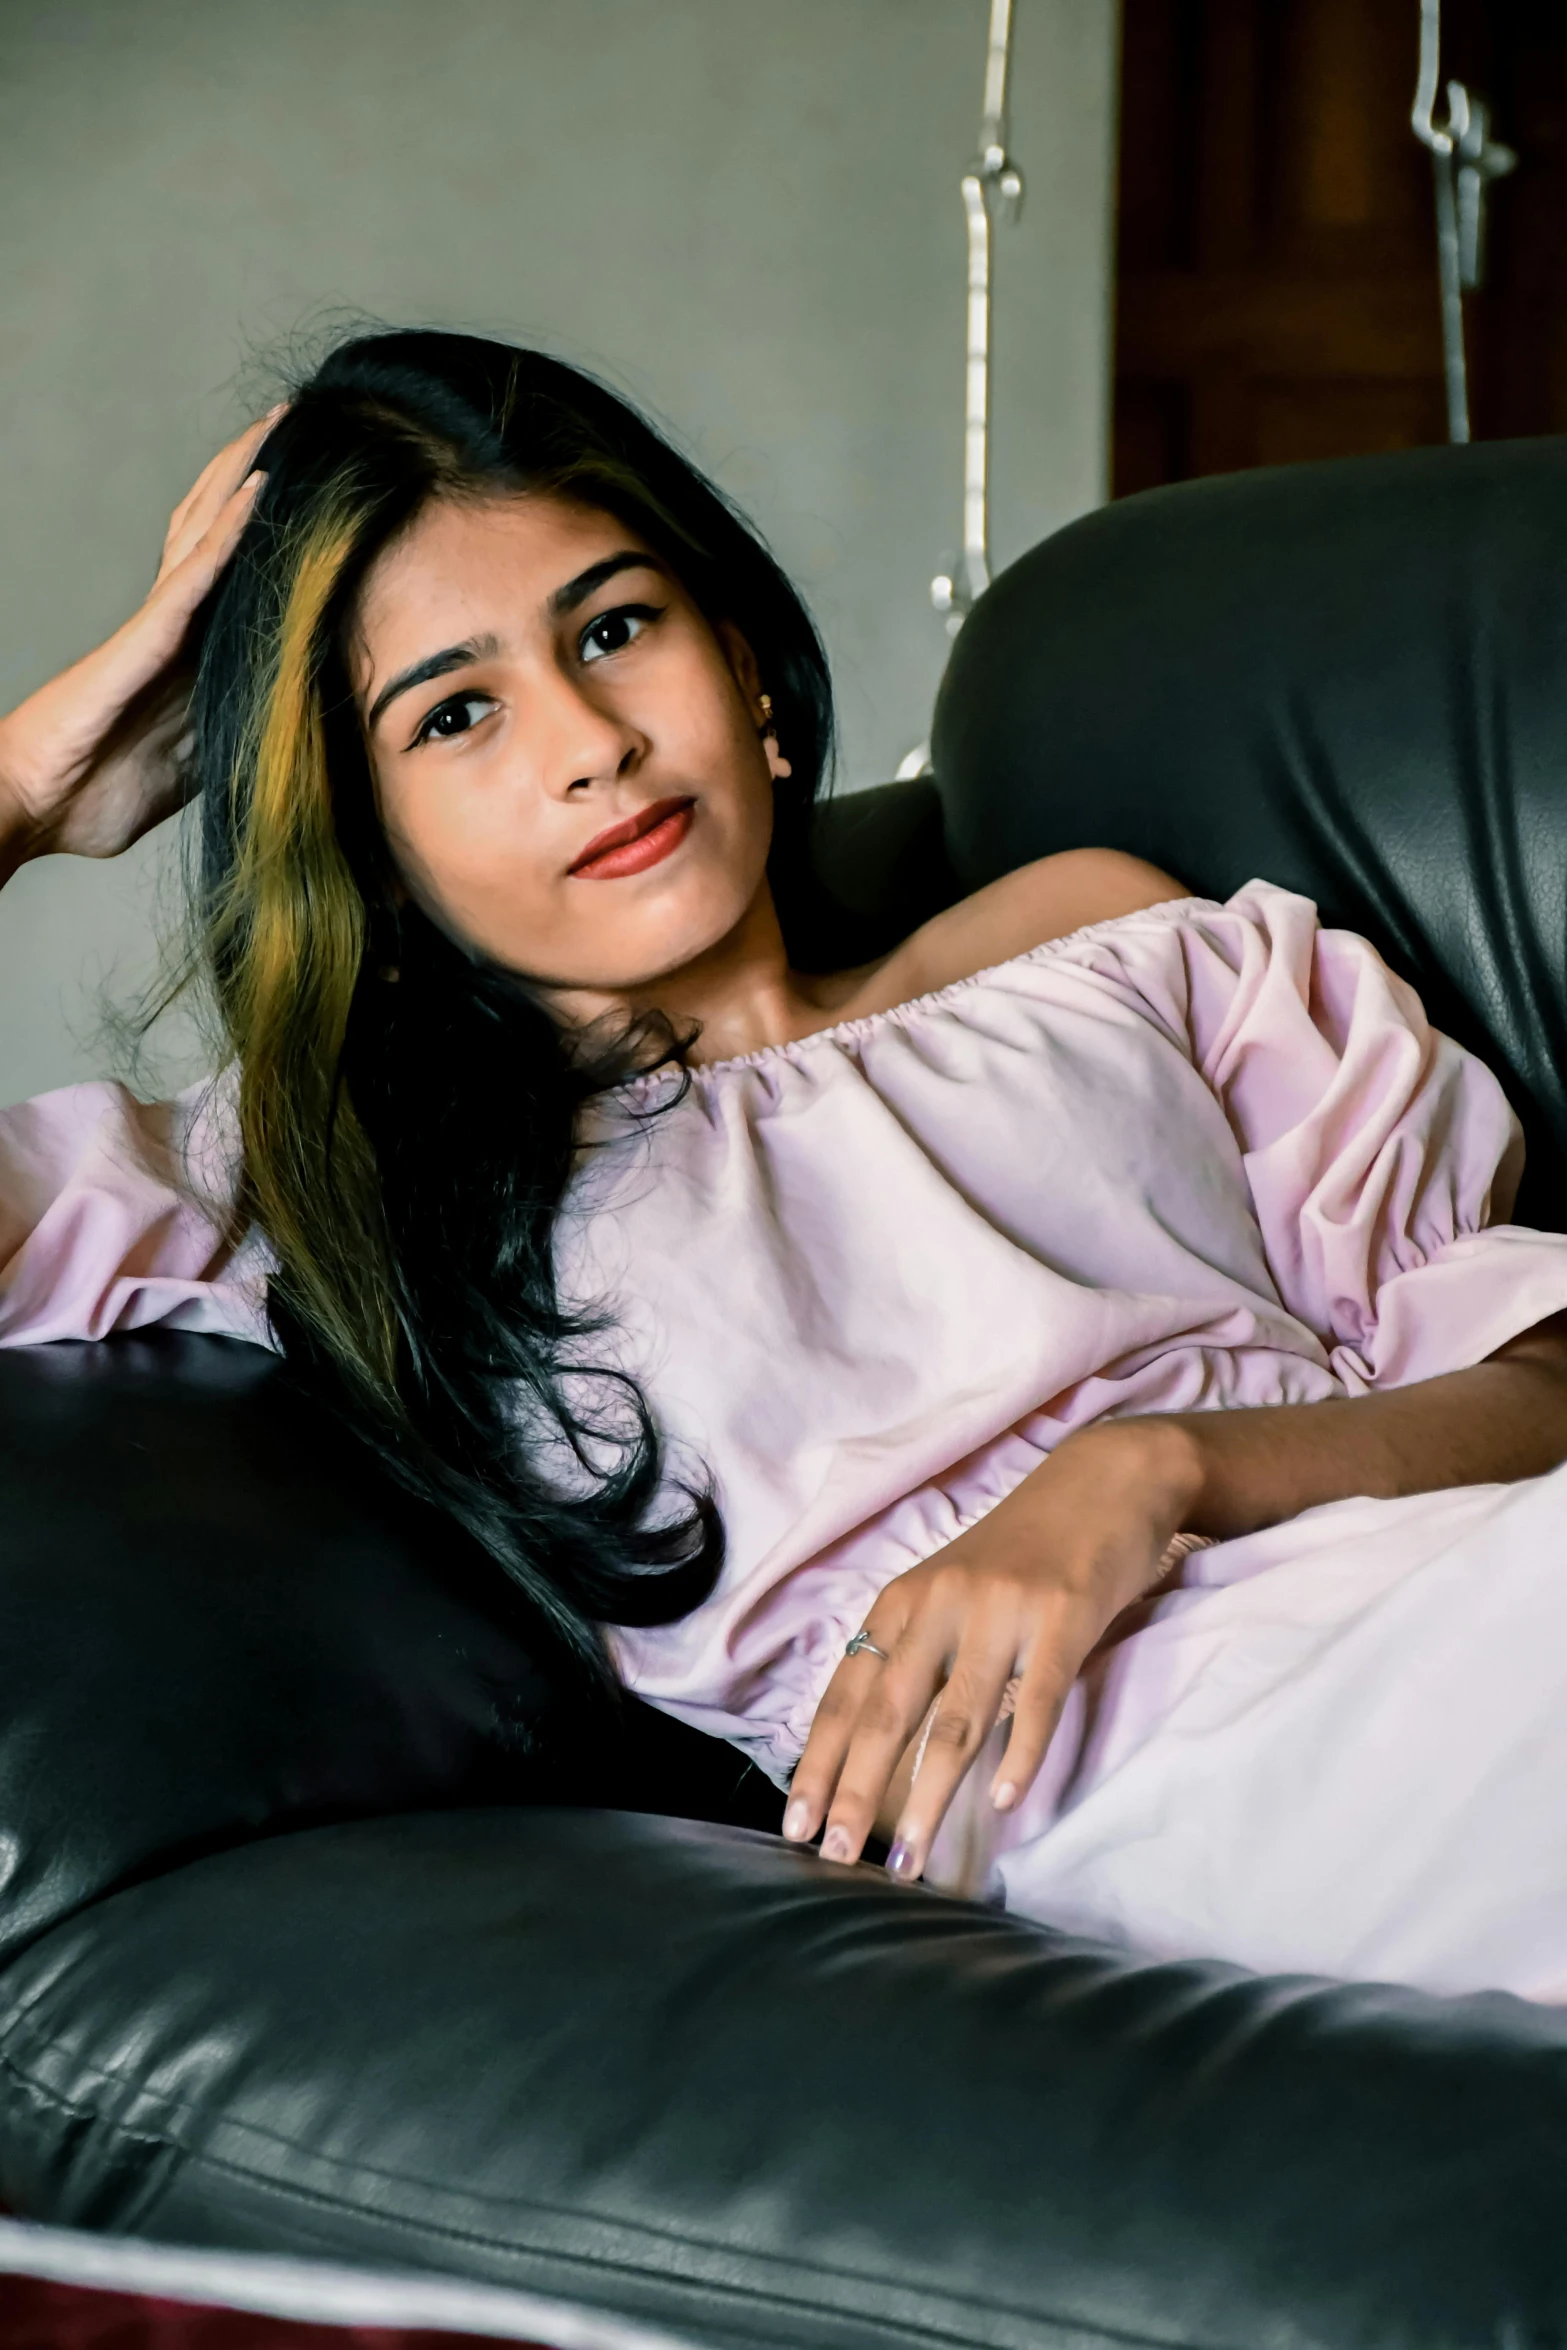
column 577, row 591
column 477, row 648
column 483, row 648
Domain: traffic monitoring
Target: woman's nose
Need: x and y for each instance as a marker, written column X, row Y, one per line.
column 582, row 746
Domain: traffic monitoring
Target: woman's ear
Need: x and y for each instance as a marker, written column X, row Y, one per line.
column 741, row 660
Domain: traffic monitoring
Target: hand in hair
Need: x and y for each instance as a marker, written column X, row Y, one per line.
column 91, row 761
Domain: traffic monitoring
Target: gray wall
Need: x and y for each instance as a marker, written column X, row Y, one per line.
column 744, row 212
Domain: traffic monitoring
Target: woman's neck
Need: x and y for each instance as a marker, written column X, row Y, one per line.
column 741, row 994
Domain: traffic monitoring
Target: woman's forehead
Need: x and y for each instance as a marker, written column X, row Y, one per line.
column 477, row 566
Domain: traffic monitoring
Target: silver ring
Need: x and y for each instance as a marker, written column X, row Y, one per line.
column 863, row 1645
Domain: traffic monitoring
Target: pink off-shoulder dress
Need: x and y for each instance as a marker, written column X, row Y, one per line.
column 1200, row 1156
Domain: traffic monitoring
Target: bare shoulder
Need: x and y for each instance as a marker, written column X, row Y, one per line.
column 1045, row 900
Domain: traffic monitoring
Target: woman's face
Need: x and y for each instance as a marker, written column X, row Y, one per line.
column 566, row 754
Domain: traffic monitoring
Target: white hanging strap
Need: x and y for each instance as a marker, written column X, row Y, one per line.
column 991, row 184
column 1465, row 159
column 992, row 143
column 976, row 394
column 1440, row 141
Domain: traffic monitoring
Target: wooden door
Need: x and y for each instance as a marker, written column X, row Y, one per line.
column 1276, row 275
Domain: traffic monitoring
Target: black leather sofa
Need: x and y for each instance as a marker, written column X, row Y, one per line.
column 327, row 1928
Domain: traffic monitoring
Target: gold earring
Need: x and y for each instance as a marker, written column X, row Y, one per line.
column 769, row 726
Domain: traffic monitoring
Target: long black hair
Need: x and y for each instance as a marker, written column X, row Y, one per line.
column 405, row 1147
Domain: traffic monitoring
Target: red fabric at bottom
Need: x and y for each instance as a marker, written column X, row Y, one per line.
column 36, row 2314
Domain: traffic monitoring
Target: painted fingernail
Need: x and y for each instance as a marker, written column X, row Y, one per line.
column 835, row 1844
column 797, row 1820
column 903, row 1860
column 1004, row 1796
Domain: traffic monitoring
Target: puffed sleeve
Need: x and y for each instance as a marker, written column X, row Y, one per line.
column 1381, row 1157
column 113, row 1216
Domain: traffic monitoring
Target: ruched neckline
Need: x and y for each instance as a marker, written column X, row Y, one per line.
column 865, row 1024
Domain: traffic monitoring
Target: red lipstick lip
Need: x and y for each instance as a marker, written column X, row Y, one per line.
column 600, row 852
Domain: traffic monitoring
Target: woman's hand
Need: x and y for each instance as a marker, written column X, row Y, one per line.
column 89, row 762
column 1027, row 1592
column 1031, row 1589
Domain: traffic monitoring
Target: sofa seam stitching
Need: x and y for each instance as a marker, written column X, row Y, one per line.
column 192, row 2157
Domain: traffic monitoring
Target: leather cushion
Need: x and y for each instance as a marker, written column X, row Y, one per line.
column 1348, row 678
column 702, row 2080
column 218, row 1621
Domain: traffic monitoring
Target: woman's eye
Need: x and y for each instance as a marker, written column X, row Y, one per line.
column 454, row 717
column 613, row 631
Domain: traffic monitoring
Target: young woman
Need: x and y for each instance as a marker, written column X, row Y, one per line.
column 849, row 1361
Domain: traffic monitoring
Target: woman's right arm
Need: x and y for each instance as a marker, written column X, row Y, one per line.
column 111, row 1209
column 91, row 761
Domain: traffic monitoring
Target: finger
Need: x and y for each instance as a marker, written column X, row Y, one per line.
column 1036, row 1717
column 70, row 725
column 228, row 470
column 216, row 483
column 890, row 1713
column 179, row 590
column 816, row 1773
column 965, row 1714
column 227, row 467
column 209, row 484
column 1058, row 1647
column 127, row 662
column 838, row 1713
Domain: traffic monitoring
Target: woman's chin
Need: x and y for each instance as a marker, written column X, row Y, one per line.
column 634, row 952
column 651, row 935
